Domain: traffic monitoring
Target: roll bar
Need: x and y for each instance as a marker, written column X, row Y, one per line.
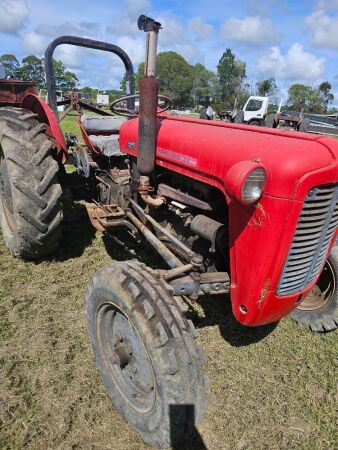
column 88, row 43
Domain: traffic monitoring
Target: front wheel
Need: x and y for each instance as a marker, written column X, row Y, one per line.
column 145, row 351
column 319, row 310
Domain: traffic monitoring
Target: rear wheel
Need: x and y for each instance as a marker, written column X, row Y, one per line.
column 255, row 123
column 145, row 351
column 30, row 209
column 270, row 121
column 319, row 310
column 239, row 118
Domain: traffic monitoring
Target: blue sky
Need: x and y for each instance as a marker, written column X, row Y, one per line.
column 293, row 41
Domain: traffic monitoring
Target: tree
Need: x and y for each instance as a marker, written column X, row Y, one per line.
column 324, row 91
column 266, row 87
column 64, row 79
column 10, row 63
column 32, row 70
column 231, row 73
column 301, row 96
column 175, row 77
column 204, row 86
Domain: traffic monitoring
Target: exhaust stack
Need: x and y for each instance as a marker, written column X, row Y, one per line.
column 147, row 130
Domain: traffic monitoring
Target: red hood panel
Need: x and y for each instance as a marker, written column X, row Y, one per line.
column 206, row 150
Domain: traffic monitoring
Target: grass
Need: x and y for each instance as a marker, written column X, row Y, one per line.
column 271, row 388
column 69, row 124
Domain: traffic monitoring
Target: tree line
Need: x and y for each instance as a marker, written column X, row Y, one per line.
column 32, row 69
column 188, row 85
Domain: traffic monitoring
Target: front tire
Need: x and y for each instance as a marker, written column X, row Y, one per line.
column 145, row 351
column 30, row 208
column 319, row 310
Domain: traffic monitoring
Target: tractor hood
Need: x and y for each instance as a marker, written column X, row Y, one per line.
column 206, row 150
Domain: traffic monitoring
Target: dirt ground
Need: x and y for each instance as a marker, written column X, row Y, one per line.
column 271, row 388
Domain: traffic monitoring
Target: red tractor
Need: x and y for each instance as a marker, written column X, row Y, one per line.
column 230, row 208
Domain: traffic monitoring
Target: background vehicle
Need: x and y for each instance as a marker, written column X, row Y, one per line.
column 253, row 112
column 214, row 200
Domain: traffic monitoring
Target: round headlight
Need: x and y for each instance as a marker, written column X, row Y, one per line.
column 253, row 186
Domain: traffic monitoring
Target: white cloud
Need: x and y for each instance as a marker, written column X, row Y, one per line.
column 34, row 43
column 71, row 56
column 122, row 26
column 135, row 48
column 137, row 7
column 295, row 64
column 327, row 4
column 324, row 29
column 200, row 28
column 126, row 23
column 252, row 30
column 172, row 33
column 13, row 16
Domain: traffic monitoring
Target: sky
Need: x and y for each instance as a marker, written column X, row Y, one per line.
column 290, row 40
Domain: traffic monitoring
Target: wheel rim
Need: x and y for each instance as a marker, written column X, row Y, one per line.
column 322, row 291
column 6, row 206
column 125, row 358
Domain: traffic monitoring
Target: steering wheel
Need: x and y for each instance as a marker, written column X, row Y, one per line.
column 124, row 110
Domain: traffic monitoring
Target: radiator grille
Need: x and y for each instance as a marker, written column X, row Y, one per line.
column 315, row 229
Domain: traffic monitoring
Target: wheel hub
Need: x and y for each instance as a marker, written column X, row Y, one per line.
column 322, row 291
column 125, row 358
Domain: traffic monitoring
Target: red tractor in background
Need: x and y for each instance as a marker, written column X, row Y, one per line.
column 230, row 208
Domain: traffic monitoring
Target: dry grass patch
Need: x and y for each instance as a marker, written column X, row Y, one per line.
column 271, row 388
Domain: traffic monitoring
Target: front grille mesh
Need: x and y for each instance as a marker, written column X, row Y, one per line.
column 315, row 229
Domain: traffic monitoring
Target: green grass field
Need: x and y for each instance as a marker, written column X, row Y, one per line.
column 271, row 388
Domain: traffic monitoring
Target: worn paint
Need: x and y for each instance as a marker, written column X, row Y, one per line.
column 263, row 293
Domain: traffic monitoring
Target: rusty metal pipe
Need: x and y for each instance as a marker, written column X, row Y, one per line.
column 147, row 131
column 166, row 254
column 152, row 201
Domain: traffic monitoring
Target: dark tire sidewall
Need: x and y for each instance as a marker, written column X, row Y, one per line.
column 324, row 318
column 154, row 426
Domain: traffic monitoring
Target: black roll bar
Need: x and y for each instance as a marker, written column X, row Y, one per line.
column 88, row 43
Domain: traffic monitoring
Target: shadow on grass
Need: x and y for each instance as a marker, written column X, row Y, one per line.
column 77, row 231
column 184, row 415
column 218, row 312
column 121, row 246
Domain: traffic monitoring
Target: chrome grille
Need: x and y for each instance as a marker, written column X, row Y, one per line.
column 315, row 229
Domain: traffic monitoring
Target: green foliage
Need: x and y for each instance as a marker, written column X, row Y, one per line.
column 310, row 99
column 231, row 73
column 32, row 70
column 64, row 79
column 204, row 86
column 175, row 77
column 10, row 63
column 266, row 87
column 324, row 91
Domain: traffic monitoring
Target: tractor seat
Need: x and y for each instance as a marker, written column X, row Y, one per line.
column 108, row 144
column 104, row 124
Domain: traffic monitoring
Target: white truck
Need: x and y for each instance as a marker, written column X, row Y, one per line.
column 253, row 113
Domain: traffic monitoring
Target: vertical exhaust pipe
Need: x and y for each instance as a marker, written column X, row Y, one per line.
column 147, row 130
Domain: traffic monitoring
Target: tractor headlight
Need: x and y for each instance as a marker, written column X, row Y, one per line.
column 245, row 181
column 253, row 186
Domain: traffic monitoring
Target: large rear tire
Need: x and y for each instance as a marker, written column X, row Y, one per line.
column 319, row 310
column 145, row 351
column 30, row 208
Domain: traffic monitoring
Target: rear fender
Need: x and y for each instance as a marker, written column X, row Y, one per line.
column 45, row 115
